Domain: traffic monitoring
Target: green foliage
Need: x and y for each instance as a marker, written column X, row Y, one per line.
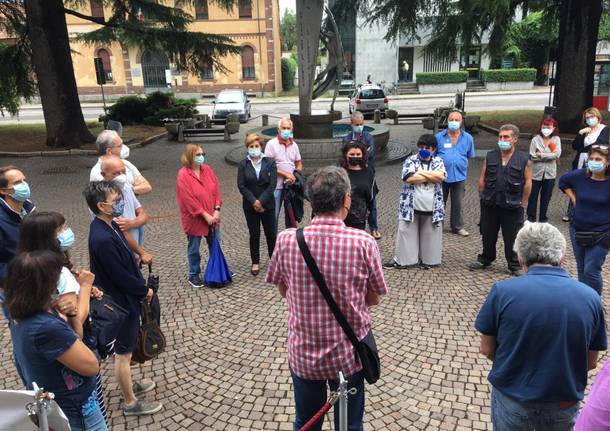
column 604, row 27
column 288, row 30
column 428, row 78
column 289, row 67
column 150, row 110
column 508, row 75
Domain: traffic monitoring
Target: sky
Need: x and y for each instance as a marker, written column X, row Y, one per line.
column 287, row 4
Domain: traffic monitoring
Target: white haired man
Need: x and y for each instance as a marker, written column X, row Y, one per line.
column 543, row 331
column 285, row 151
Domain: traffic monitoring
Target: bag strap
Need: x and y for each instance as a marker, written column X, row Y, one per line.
column 321, row 282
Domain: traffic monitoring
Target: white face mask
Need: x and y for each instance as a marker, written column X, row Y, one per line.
column 120, row 180
column 124, row 151
column 546, row 131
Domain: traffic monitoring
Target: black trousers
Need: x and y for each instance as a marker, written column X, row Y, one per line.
column 254, row 220
column 544, row 188
column 494, row 218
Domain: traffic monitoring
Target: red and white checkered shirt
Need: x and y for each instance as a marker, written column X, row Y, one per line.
column 349, row 260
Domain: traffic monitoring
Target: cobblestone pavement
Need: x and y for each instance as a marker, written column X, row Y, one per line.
column 226, row 363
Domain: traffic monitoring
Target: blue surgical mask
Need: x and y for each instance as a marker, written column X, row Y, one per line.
column 453, row 125
column 199, row 160
column 595, row 166
column 591, row 121
column 254, row 152
column 117, row 209
column 62, row 284
column 66, row 239
column 424, row 154
column 286, row 134
column 21, row 192
column 504, row 145
column 358, row 129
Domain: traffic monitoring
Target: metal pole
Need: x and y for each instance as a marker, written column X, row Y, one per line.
column 103, row 97
column 342, row 402
column 41, row 408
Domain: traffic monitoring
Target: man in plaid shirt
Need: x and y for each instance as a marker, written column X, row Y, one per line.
column 349, row 260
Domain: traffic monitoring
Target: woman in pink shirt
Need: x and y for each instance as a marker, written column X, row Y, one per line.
column 595, row 416
column 199, row 201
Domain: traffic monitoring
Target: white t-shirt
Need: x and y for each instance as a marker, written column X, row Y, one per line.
column 130, row 171
column 67, row 282
column 590, row 139
column 423, row 195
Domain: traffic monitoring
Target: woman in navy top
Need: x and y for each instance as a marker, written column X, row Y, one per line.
column 46, row 348
column 589, row 192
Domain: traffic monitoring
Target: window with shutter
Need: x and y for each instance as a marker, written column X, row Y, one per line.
column 201, row 9
column 247, row 62
column 245, row 8
column 207, row 71
column 105, row 56
column 97, row 8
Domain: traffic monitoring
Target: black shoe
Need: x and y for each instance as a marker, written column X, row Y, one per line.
column 196, row 281
column 478, row 266
column 394, row 265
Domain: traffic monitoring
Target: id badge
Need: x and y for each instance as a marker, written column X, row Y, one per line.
column 448, row 145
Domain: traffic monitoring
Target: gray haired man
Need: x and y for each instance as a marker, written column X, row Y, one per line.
column 543, row 331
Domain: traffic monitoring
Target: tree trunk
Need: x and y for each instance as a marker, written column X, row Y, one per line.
column 52, row 63
column 578, row 26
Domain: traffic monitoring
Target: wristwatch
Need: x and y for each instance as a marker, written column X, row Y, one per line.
column 217, row 208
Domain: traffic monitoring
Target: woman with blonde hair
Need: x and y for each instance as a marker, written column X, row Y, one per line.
column 199, row 201
column 256, row 180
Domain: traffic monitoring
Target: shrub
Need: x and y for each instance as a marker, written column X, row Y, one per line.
column 181, row 108
column 289, row 67
column 508, row 75
column 151, row 110
column 427, row 78
column 127, row 110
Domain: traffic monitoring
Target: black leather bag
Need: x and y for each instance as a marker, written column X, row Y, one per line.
column 151, row 341
column 152, row 282
column 591, row 239
column 366, row 349
column 101, row 329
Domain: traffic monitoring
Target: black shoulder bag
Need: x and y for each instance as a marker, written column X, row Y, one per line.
column 366, row 349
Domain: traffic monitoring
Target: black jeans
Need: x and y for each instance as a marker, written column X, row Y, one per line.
column 254, row 220
column 544, row 188
column 456, row 190
column 494, row 218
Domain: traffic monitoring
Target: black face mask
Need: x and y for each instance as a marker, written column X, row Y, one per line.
column 354, row 161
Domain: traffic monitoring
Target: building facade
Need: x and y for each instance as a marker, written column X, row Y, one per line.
column 254, row 25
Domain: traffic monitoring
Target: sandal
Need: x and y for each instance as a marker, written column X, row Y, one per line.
column 376, row 234
column 255, row 270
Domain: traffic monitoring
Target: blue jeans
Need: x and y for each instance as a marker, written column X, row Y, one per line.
column 193, row 253
column 310, row 396
column 508, row 414
column 279, row 195
column 93, row 422
column 589, row 262
column 373, row 215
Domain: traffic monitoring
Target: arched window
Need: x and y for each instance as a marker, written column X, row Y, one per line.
column 97, row 8
column 201, row 9
column 207, row 71
column 105, row 56
column 245, row 8
column 247, row 62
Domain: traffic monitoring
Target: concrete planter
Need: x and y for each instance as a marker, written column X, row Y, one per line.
column 456, row 87
column 509, row 86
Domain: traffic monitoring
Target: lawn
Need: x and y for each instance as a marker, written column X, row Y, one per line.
column 31, row 137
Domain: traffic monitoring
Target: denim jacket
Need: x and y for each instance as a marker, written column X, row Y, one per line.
column 406, row 206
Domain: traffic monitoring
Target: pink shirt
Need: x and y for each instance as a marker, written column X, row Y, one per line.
column 286, row 157
column 349, row 260
column 196, row 195
column 595, row 416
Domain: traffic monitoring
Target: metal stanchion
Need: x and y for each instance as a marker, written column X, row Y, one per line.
column 342, row 402
column 37, row 411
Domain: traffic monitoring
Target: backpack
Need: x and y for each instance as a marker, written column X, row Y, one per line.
column 151, row 341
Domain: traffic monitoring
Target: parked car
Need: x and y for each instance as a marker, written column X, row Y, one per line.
column 347, row 85
column 367, row 98
column 231, row 102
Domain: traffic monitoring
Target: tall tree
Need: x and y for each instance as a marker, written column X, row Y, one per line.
column 144, row 23
column 288, row 30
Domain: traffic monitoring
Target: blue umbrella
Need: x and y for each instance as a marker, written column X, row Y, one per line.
column 217, row 272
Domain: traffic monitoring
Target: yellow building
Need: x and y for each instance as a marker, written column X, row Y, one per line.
column 254, row 25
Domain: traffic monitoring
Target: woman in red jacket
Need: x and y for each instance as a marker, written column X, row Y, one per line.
column 198, row 197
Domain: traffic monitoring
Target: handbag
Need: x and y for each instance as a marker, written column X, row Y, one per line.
column 217, row 272
column 102, row 327
column 151, row 341
column 366, row 349
column 152, row 282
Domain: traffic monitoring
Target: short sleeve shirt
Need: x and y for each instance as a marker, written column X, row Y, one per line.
column 545, row 323
column 37, row 343
column 130, row 171
column 131, row 205
column 455, row 156
column 286, row 157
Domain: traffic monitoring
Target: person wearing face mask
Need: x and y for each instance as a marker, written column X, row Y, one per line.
column 199, row 202
column 362, row 179
column 455, row 147
column 419, row 239
column 256, row 181
column 589, row 192
column 117, row 274
column 545, row 150
column 505, row 185
column 285, row 151
column 366, row 139
column 15, row 204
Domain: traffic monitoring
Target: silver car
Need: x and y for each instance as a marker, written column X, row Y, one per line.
column 231, row 102
column 367, row 98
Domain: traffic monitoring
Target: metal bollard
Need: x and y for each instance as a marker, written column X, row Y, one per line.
column 265, row 118
column 377, row 116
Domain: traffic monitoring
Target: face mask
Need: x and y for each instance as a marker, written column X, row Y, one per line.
column 354, row 161
column 453, row 125
column 21, row 192
column 117, row 209
column 358, row 129
column 120, row 179
column 595, row 166
column 286, row 134
column 504, row 145
column 62, row 283
column 591, row 121
column 254, row 152
column 199, row 160
column 66, row 239
column 124, row 152
column 424, row 154
column 546, row 131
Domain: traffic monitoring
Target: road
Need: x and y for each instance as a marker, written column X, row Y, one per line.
column 418, row 104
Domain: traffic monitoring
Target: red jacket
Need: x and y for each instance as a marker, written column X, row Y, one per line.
column 196, row 195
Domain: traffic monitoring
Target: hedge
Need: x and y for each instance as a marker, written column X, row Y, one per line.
column 430, row 78
column 150, row 110
column 289, row 68
column 508, row 75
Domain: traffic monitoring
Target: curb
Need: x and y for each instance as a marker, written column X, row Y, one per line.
column 76, row 151
column 495, row 131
